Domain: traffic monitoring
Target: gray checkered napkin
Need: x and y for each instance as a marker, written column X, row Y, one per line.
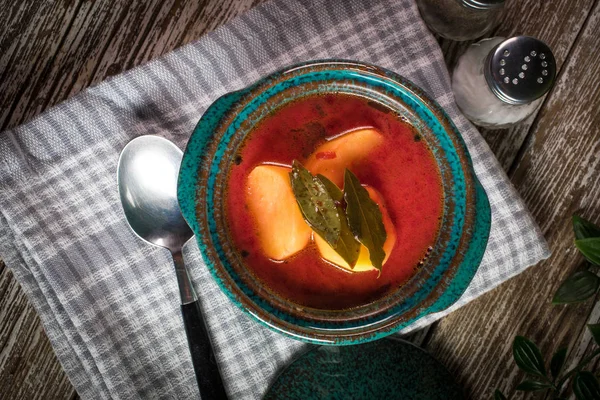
column 109, row 302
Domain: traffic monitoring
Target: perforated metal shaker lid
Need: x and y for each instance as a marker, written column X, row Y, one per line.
column 520, row 70
column 483, row 4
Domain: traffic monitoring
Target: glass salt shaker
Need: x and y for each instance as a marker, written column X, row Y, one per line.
column 461, row 19
column 499, row 82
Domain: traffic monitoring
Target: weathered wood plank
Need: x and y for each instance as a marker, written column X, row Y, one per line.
column 103, row 38
column 29, row 46
column 555, row 22
column 28, row 366
column 558, row 175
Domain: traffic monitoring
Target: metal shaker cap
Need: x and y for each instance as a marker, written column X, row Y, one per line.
column 520, row 70
column 483, row 4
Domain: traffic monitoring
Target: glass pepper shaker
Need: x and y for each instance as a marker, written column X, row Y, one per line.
column 461, row 19
column 499, row 82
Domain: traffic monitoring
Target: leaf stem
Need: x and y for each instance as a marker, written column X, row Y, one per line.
column 555, row 388
column 548, row 380
column 578, row 368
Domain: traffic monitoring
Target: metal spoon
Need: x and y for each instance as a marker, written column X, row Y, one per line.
column 147, row 180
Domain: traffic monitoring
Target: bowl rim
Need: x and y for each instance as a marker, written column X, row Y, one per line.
column 223, row 113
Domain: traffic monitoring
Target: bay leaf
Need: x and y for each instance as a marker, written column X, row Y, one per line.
column 364, row 218
column 347, row 246
column 334, row 191
column 315, row 202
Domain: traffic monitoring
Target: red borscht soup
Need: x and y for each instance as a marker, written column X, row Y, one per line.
column 329, row 134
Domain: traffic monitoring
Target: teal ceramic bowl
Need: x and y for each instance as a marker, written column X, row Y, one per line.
column 456, row 254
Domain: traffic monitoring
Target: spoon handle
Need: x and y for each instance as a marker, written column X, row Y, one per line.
column 203, row 358
column 209, row 380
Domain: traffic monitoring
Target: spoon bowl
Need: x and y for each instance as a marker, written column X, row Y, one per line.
column 147, row 180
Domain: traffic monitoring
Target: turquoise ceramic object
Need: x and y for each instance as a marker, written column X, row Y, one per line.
column 438, row 284
column 387, row 369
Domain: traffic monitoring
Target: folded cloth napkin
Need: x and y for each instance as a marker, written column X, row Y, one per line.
column 108, row 301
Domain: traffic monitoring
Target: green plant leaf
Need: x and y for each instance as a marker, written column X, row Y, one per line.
column 584, row 229
column 595, row 330
column 347, row 246
column 315, row 202
column 528, row 357
column 586, row 386
column 590, row 248
column 532, row 386
column 498, row 395
column 364, row 218
column 558, row 361
column 577, row 287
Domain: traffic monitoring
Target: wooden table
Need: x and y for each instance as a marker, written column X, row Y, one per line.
column 51, row 50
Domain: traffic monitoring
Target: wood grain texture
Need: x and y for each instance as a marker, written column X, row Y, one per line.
column 558, row 175
column 51, row 50
column 28, row 366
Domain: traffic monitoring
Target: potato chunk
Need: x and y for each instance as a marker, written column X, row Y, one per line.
column 281, row 229
column 334, row 156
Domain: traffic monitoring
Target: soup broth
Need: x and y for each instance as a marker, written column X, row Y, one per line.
column 401, row 169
